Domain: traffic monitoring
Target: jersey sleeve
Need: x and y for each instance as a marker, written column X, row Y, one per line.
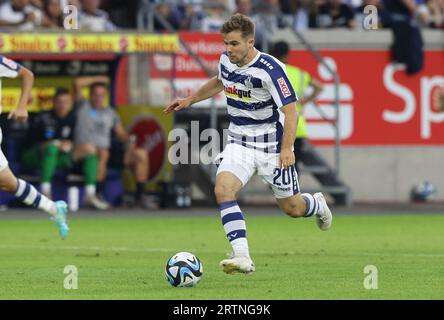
column 280, row 86
column 8, row 68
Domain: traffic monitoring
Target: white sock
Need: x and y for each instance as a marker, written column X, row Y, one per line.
column 90, row 190
column 240, row 247
column 313, row 206
column 45, row 187
column 235, row 228
column 29, row 195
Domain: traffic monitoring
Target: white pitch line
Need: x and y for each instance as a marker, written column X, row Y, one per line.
column 170, row 250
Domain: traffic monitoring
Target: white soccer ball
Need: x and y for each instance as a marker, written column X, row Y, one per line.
column 183, row 269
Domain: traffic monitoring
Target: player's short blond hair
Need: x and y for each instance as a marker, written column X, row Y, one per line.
column 239, row 22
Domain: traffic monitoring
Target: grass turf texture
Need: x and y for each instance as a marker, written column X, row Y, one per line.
column 124, row 258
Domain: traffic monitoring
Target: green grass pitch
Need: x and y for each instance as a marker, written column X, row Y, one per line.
column 124, row 258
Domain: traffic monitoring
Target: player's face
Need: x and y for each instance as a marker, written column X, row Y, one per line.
column 97, row 97
column 238, row 47
column 62, row 105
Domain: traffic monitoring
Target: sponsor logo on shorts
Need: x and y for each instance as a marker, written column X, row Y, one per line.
column 9, row 63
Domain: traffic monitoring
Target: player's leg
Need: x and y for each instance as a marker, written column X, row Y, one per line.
column 285, row 186
column 103, row 155
column 50, row 154
column 88, row 154
column 307, row 205
column 136, row 160
column 29, row 195
column 233, row 173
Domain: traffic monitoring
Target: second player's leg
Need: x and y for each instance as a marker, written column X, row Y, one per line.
column 285, row 186
column 293, row 206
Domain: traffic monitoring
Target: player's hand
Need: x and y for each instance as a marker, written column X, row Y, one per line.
column 177, row 105
column 18, row 114
column 286, row 158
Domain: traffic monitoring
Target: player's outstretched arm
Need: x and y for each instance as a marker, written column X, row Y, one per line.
column 20, row 113
column 209, row 89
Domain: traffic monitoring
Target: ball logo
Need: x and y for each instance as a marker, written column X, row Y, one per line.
column 284, row 88
column 151, row 136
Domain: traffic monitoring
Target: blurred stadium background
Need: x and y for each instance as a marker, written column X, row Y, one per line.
column 375, row 132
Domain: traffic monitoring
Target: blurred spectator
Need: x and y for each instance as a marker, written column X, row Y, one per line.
column 21, row 14
column 431, row 14
column 53, row 14
column 301, row 81
column 296, row 12
column 136, row 161
column 190, row 17
column 335, row 13
column 95, row 124
column 314, row 11
column 399, row 15
column 52, row 137
column 244, row 7
column 215, row 16
column 94, row 121
column 94, row 19
column 122, row 12
column 354, row 3
column 50, row 140
column 169, row 14
column 267, row 20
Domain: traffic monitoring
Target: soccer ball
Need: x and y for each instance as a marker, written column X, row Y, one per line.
column 183, row 270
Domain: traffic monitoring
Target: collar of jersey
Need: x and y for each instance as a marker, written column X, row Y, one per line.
column 252, row 61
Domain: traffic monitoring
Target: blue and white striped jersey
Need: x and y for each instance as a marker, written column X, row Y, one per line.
column 255, row 93
column 8, row 69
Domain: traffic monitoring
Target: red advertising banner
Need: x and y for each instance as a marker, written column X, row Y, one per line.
column 379, row 104
column 208, row 46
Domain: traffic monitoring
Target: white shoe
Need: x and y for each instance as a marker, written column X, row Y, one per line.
column 237, row 264
column 324, row 218
column 95, row 202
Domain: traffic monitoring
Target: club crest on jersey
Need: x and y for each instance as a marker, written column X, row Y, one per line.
column 241, row 94
column 248, row 82
column 284, row 88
